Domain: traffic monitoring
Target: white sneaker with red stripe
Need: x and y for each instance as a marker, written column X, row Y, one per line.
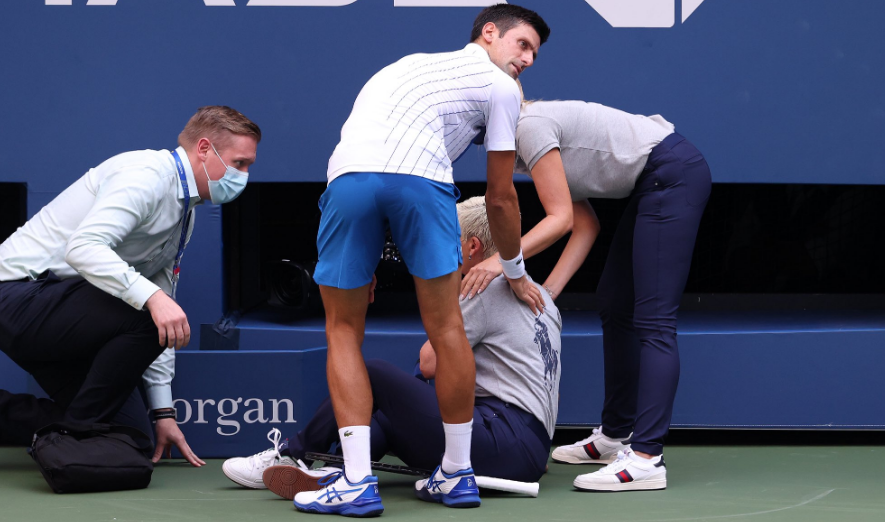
column 595, row 449
column 629, row 472
column 247, row 471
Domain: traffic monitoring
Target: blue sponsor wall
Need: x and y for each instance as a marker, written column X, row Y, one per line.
column 785, row 91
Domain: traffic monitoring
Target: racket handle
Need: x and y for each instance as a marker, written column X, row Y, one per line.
column 511, row 486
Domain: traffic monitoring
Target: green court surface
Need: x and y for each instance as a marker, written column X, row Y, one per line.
column 758, row 483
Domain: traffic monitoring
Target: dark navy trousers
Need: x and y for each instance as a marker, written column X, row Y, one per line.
column 640, row 289
column 507, row 441
column 84, row 347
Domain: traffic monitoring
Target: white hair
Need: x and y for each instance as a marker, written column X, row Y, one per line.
column 475, row 223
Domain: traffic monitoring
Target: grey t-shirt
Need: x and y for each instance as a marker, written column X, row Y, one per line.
column 517, row 354
column 603, row 149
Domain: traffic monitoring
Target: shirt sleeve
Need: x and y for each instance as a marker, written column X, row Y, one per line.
column 536, row 136
column 163, row 280
column 475, row 323
column 123, row 201
column 158, row 380
column 504, row 102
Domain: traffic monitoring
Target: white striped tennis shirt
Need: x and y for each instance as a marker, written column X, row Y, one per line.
column 418, row 115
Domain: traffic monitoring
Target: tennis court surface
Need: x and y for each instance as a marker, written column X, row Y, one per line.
column 758, row 483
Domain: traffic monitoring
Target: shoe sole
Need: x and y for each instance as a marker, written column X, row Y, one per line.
column 288, row 481
column 638, row 485
column 465, row 501
column 370, row 510
column 468, row 501
column 242, row 482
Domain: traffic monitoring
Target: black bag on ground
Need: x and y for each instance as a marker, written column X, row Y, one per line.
column 101, row 457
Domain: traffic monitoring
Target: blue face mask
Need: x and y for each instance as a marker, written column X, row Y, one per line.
column 227, row 188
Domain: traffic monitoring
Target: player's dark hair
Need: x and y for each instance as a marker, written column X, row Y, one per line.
column 508, row 16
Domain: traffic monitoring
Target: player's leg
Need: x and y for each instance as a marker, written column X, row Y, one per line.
column 424, row 223
column 455, row 365
column 284, row 468
column 287, row 475
column 345, row 369
column 349, row 243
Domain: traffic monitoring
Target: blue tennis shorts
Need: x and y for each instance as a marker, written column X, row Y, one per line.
column 359, row 207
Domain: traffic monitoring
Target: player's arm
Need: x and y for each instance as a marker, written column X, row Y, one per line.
column 552, row 188
column 502, row 208
column 502, row 204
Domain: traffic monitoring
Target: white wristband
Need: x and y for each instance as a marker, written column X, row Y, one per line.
column 513, row 268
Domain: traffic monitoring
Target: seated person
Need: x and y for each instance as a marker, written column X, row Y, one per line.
column 517, row 392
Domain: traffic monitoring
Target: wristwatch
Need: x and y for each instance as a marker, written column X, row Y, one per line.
column 165, row 413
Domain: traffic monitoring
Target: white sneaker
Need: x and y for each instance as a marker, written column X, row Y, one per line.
column 247, row 471
column 629, row 472
column 341, row 497
column 595, row 449
column 288, row 481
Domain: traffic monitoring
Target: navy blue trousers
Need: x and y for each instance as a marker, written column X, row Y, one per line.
column 84, row 347
column 507, row 441
column 640, row 290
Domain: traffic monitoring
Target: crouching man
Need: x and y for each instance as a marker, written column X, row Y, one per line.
column 87, row 285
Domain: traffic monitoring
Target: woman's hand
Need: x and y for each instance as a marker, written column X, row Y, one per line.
column 479, row 277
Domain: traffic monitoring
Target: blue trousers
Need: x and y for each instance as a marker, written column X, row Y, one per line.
column 640, row 289
column 507, row 442
column 84, row 347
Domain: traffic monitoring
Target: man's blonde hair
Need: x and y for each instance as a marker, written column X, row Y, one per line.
column 475, row 223
column 215, row 122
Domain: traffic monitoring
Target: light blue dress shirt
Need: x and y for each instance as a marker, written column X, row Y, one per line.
column 119, row 227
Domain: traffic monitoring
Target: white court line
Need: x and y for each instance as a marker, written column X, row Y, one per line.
column 800, row 504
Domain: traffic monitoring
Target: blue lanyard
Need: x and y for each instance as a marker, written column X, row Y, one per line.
column 185, row 219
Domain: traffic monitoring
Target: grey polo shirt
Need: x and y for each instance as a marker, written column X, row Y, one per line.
column 603, row 149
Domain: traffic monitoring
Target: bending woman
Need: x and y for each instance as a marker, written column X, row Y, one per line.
column 573, row 151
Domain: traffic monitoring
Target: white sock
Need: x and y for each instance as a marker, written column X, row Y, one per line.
column 355, row 444
column 457, row 456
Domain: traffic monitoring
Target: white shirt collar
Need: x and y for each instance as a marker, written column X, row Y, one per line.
column 477, row 50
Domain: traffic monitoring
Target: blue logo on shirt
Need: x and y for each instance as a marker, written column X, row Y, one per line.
column 548, row 354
